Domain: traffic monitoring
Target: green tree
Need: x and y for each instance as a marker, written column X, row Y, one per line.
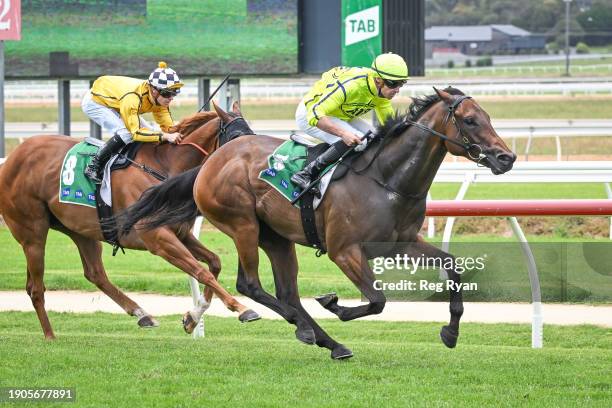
column 597, row 23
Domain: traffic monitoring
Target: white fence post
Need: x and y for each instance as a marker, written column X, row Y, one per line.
column 195, row 285
column 537, row 322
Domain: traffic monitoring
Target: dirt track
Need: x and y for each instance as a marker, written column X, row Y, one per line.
column 89, row 302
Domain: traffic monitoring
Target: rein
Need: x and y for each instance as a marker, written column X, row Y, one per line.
column 195, row 146
column 148, row 170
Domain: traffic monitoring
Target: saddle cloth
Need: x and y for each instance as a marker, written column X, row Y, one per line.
column 285, row 161
column 75, row 187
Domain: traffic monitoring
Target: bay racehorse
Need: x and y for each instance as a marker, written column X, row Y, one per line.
column 29, row 203
column 381, row 199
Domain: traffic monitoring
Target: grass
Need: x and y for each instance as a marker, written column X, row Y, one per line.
column 112, row 363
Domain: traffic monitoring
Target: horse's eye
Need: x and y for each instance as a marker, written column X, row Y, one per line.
column 469, row 121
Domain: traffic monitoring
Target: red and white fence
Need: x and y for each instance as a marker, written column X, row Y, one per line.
column 512, row 209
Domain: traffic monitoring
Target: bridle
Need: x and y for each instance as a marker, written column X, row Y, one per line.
column 231, row 130
column 477, row 156
column 466, row 145
column 227, row 131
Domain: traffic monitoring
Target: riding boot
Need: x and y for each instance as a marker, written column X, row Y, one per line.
column 95, row 168
column 304, row 177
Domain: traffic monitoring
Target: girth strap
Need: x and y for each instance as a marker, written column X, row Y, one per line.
column 107, row 222
column 309, row 223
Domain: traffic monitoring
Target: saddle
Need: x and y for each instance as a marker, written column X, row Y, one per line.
column 315, row 149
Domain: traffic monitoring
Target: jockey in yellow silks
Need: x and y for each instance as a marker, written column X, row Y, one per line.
column 330, row 111
column 116, row 103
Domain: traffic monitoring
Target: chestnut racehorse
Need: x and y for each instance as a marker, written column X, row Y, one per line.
column 29, row 203
column 381, row 199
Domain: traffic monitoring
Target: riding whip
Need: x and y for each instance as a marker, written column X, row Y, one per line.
column 214, row 93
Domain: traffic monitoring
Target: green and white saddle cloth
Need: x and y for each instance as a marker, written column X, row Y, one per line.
column 284, row 162
column 75, row 187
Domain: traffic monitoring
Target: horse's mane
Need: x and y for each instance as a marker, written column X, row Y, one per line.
column 191, row 123
column 397, row 124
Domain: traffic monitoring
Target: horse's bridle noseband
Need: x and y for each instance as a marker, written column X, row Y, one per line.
column 466, row 145
column 229, row 131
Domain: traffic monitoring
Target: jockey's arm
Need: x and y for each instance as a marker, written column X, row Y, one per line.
column 129, row 113
column 164, row 120
column 326, row 125
column 318, row 115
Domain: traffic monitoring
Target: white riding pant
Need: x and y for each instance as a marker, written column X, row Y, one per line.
column 109, row 119
column 357, row 126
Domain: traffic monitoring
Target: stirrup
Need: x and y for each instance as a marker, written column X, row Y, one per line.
column 300, row 180
column 303, row 183
column 93, row 174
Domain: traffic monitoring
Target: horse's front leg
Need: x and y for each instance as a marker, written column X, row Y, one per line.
column 352, row 261
column 201, row 253
column 420, row 248
column 164, row 242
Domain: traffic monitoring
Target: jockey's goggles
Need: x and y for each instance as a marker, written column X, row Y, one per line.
column 168, row 93
column 394, row 84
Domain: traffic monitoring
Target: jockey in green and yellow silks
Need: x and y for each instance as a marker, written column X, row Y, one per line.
column 330, row 111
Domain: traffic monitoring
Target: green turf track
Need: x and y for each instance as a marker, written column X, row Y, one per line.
column 110, row 362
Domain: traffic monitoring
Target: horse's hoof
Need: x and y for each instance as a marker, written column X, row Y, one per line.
column 340, row 352
column 449, row 337
column 147, row 322
column 249, row 316
column 327, row 299
column 189, row 324
column 306, row 336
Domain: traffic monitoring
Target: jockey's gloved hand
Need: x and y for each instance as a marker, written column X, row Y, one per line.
column 364, row 141
column 361, row 146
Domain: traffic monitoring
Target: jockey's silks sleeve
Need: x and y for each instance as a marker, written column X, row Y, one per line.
column 130, row 97
column 346, row 93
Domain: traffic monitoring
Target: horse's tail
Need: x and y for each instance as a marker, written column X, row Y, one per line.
column 168, row 203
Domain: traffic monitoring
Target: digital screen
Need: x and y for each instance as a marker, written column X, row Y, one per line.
column 129, row 37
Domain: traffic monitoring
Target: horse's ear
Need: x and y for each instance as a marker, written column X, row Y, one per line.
column 445, row 96
column 225, row 118
column 236, row 108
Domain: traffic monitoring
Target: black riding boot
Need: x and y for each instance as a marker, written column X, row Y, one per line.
column 95, row 167
column 303, row 178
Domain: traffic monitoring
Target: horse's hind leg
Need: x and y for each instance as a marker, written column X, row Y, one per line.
column 248, row 283
column 285, row 268
column 31, row 232
column 91, row 257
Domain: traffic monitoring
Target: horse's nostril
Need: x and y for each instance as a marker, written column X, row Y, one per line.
column 505, row 158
